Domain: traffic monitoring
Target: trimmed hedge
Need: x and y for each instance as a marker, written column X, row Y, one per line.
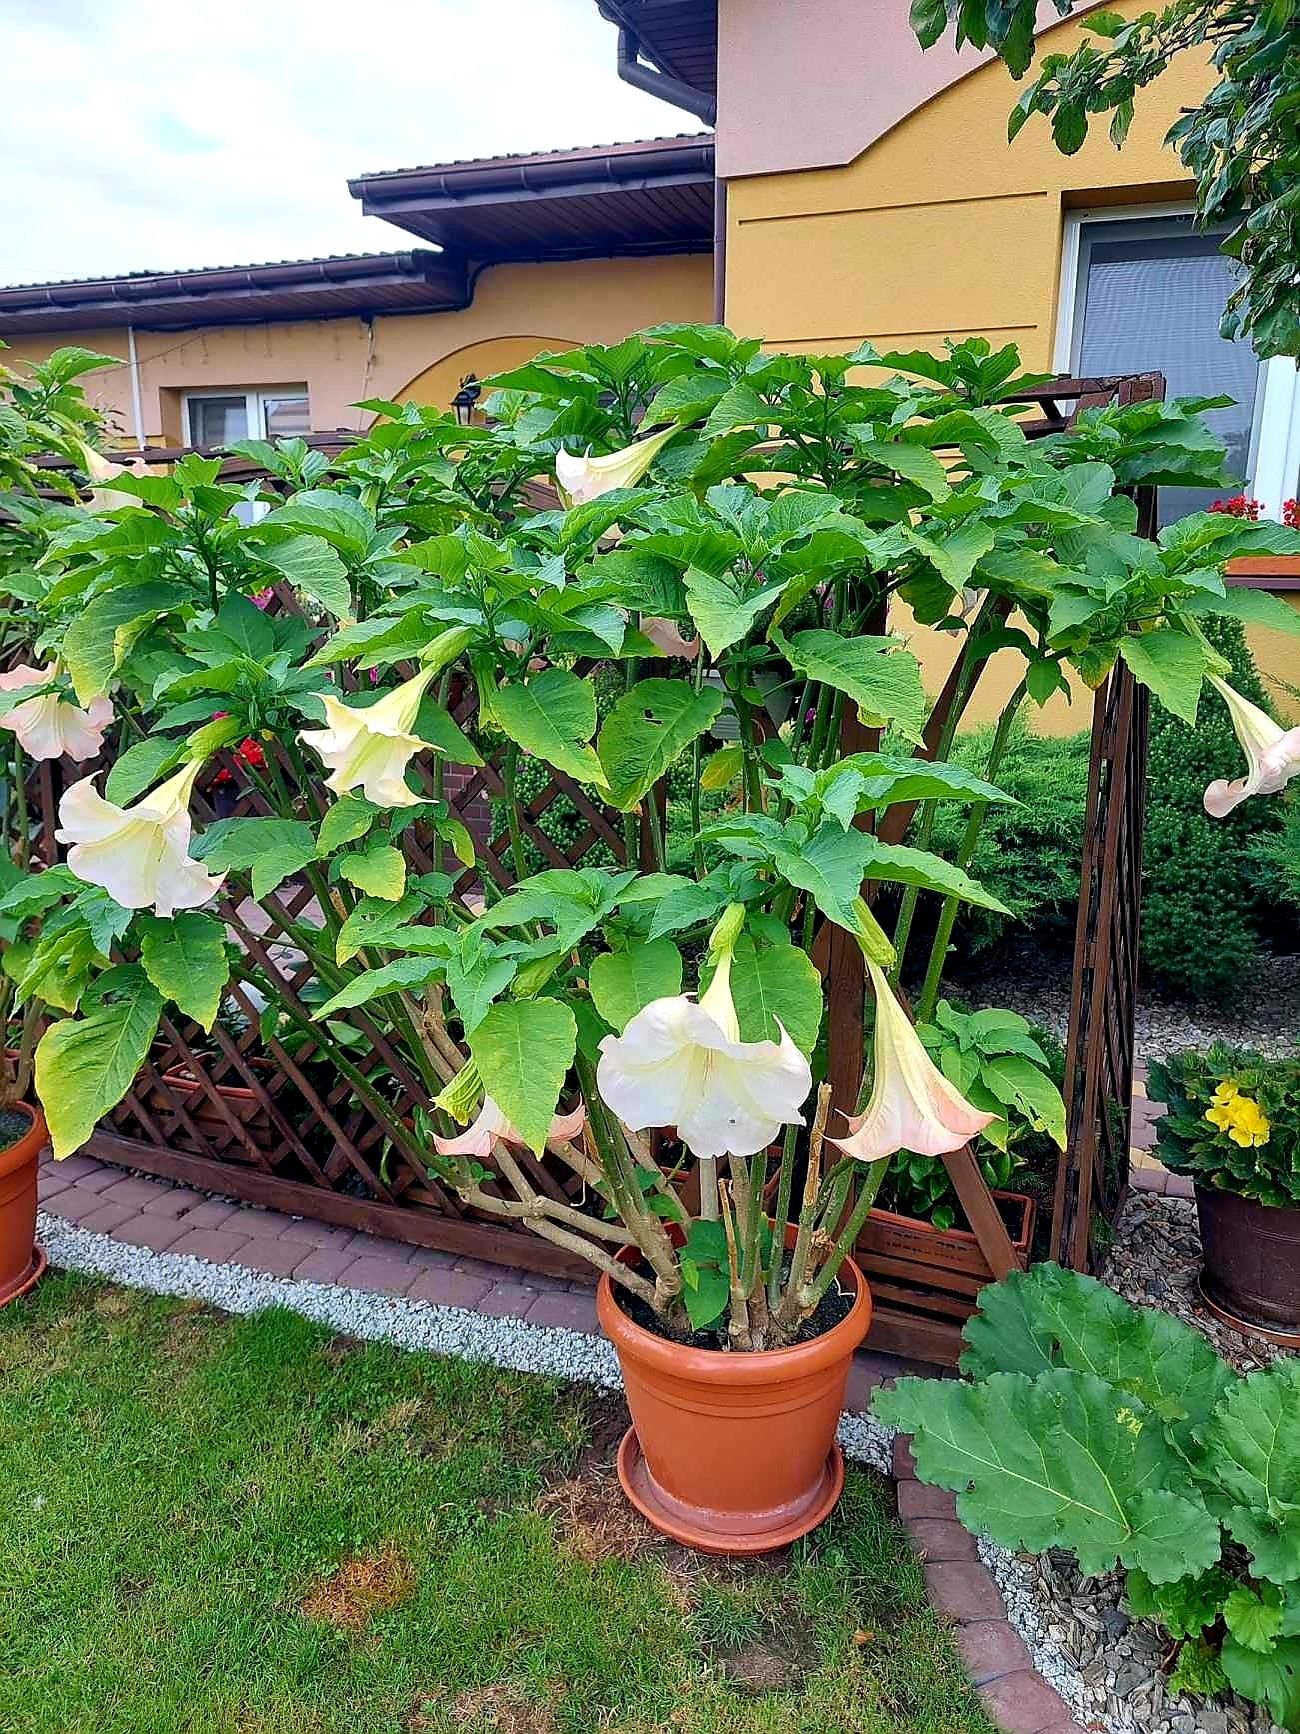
column 1211, row 887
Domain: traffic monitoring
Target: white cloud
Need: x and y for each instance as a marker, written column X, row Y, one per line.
column 140, row 136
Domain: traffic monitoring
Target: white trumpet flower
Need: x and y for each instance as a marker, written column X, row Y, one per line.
column 1272, row 754
column 51, row 726
column 912, row 1106
column 581, row 479
column 477, row 1140
column 368, row 747
column 138, row 854
column 683, row 1064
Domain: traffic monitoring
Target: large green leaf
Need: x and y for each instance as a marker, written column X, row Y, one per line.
column 350, row 817
column 722, row 614
column 85, row 1066
column 403, row 972
column 142, row 766
column 1251, row 1465
column 441, row 730
column 101, row 635
column 1050, row 1317
column 184, row 957
column 1018, row 1083
column 311, row 566
column 902, row 865
column 879, row 675
column 554, row 716
column 778, row 982
column 1272, row 1679
column 647, row 731
column 829, row 866
column 888, row 778
column 624, row 982
column 1254, row 607
column 1172, row 664
column 339, row 518
column 1061, row 1460
column 270, row 849
column 916, row 463
column 378, row 871
column 523, row 1050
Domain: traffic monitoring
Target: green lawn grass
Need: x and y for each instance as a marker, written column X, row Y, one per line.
column 247, row 1526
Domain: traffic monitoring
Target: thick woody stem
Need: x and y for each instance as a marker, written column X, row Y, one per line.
column 787, row 1313
column 738, row 1328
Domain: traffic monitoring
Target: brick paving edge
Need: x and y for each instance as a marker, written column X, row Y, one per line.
column 963, row 1591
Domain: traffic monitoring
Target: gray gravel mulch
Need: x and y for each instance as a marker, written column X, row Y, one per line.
column 1266, row 1017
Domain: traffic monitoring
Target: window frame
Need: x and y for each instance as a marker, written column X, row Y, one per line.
column 255, row 399
column 1274, row 471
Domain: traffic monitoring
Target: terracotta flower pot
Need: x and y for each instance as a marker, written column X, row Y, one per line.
column 1251, row 1275
column 22, row 1263
column 734, row 1453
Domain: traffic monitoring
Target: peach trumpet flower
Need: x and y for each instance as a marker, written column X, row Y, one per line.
column 912, row 1105
column 51, row 726
column 477, row 1140
column 1272, row 754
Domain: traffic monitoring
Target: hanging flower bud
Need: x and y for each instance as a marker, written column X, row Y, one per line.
column 582, row 479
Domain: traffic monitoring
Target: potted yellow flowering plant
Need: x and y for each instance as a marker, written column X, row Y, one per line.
column 1233, row 1125
column 727, row 530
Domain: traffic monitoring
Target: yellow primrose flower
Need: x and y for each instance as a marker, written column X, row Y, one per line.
column 1252, row 1127
column 1226, row 1091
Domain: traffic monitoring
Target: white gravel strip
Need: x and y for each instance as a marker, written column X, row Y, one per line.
column 411, row 1324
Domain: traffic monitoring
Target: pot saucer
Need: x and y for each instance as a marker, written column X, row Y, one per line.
column 29, row 1278
column 681, row 1524
column 1245, row 1327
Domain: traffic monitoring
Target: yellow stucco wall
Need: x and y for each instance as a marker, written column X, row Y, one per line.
column 517, row 311
column 944, row 229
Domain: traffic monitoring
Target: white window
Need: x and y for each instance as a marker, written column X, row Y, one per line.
column 1144, row 289
column 218, row 418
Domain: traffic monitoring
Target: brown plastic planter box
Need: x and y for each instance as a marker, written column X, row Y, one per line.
column 936, row 1271
column 246, row 1107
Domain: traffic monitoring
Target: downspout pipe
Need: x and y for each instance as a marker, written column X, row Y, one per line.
column 634, row 71
column 137, row 396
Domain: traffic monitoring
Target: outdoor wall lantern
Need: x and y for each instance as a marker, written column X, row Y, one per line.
column 466, row 397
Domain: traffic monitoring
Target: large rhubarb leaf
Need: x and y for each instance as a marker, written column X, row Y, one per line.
column 1250, row 1464
column 1061, row 1460
column 1049, row 1317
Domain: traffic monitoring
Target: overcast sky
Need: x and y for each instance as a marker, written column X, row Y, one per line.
column 157, row 134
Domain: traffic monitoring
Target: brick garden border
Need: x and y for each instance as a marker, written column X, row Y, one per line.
column 962, row 1589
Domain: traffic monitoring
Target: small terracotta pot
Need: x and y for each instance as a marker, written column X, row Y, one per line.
column 22, row 1263
column 734, row 1453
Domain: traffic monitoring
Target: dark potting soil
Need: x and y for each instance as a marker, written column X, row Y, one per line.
column 834, row 1305
column 14, row 1124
